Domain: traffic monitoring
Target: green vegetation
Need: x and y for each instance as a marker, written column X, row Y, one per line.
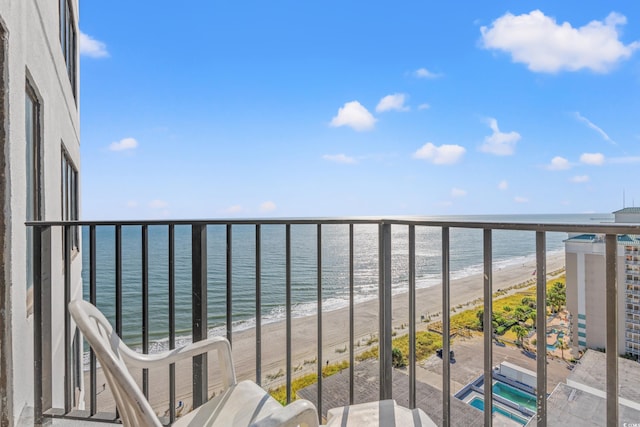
column 426, row 345
column 397, row 358
column 514, row 315
column 556, row 296
column 280, row 393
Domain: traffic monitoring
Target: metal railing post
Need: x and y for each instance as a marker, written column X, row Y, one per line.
column 145, row 304
column 172, row 319
column 385, row 313
column 42, row 369
column 93, row 404
column 351, row 323
column 319, row 316
column 487, row 328
column 412, row 316
column 229, row 269
column 199, row 308
column 446, row 329
column 68, row 385
column 541, row 326
column 258, row 304
column 611, row 250
column 288, row 310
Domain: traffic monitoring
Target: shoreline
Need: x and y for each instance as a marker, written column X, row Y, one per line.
column 183, row 336
column 464, row 293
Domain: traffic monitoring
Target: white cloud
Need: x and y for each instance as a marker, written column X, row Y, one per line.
column 602, row 133
column 503, row 185
column 499, row 143
column 545, row 46
column 353, row 114
column 123, row 144
column 442, row 155
column 158, row 204
column 392, row 102
column 92, row 47
column 559, row 163
column 596, row 159
column 234, row 209
column 578, row 179
column 458, row 192
column 424, row 106
column 267, row 206
column 423, row 73
column 339, row 158
column 520, row 199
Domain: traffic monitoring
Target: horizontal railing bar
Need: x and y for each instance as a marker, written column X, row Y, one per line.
column 560, row 227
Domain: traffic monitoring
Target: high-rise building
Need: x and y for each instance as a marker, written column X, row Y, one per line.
column 585, row 266
column 39, row 165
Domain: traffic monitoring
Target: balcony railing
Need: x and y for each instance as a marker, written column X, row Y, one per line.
column 46, row 248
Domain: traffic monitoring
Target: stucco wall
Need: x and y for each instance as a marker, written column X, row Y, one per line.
column 34, row 54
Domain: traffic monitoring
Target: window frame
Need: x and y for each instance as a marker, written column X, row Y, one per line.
column 34, row 203
column 70, row 208
column 69, row 41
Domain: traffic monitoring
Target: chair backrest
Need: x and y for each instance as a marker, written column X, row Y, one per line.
column 133, row 407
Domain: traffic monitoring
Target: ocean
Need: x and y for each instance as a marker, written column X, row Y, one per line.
column 509, row 248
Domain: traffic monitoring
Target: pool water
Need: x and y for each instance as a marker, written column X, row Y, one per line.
column 560, row 337
column 478, row 403
column 516, row 396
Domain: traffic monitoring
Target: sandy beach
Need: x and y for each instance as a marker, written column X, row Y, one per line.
column 335, row 336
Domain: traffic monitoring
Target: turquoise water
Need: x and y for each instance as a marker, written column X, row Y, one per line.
column 509, row 248
column 516, row 396
column 478, row 403
column 552, row 347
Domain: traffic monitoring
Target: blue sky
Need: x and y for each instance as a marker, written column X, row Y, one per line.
column 221, row 109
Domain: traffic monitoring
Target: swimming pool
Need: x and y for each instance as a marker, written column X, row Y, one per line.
column 560, row 337
column 516, row 396
column 478, row 403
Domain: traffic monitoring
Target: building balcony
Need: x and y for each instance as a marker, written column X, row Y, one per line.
column 297, row 296
column 633, row 292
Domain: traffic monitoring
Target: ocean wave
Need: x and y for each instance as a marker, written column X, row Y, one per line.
column 278, row 314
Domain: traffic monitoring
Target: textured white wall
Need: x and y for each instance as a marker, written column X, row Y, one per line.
column 34, row 54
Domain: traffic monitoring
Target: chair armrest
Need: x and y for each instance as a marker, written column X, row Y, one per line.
column 220, row 344
column 298, row 413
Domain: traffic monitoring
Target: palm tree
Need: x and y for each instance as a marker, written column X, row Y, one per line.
column 562, row 346
column 520, row 332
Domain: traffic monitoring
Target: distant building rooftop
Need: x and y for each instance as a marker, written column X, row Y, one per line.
column 581, row 401
column 591, row 373
column 568, row 406
column 627, row 215
column 627, row 211
column 597, row 238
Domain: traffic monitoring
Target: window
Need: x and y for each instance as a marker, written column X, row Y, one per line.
column 33, row 166
column 69, row 192
column 68, row 41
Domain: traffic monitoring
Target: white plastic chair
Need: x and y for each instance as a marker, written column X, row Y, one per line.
column 241, row 404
